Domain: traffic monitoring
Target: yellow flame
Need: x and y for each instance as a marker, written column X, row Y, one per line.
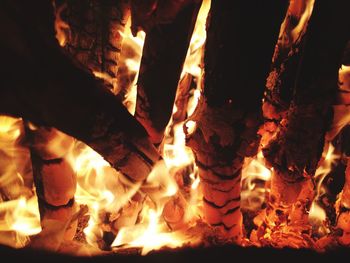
column 132, row 64
column 153, row 232
column 149, row 235
column 61, row 27
column 317, row 215
column 19, row 212
column 309, row 5
column 329, row 158
column 254, row 169
column 99, row 185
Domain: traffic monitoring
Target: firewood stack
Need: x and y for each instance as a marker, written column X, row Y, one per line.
column 295, row 151
column 229, row 114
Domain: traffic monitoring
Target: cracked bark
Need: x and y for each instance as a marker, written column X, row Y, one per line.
column 94, row 37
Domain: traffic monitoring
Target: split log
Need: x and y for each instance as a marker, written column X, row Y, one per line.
column 164, row 52
column 94, row 33
column 298, row 145
column 54, row 91
column 228, row 114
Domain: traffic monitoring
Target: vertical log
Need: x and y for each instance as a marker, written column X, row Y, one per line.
column 163, row 56
column 229, row 114
column 298, row 145
column 278, row 96
column 280, row 82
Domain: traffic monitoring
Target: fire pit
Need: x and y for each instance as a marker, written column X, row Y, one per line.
column 174, row 129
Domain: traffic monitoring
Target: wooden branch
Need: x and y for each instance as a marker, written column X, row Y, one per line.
column 53, row 91
column 228, row 113
column 163, row 56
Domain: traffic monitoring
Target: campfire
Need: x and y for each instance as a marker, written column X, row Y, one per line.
column 139, row 126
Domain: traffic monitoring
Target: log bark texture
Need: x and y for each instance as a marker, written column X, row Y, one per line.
column 163, row 56
column 54, row 91
column 228, row 114
column 94, row 37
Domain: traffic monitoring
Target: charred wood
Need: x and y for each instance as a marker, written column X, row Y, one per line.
column 94, row 36
column 296, row 150
column 228, row 114
column 54, row 91
column 163, row 56
column 299, row 143
column 285, row 61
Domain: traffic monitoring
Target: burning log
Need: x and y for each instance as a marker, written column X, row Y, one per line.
column 296, row 150
column 54, row 178
column 280, row 82
column 52, row 86
column 164, row 52
column 93, row 34
column 227, row 118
